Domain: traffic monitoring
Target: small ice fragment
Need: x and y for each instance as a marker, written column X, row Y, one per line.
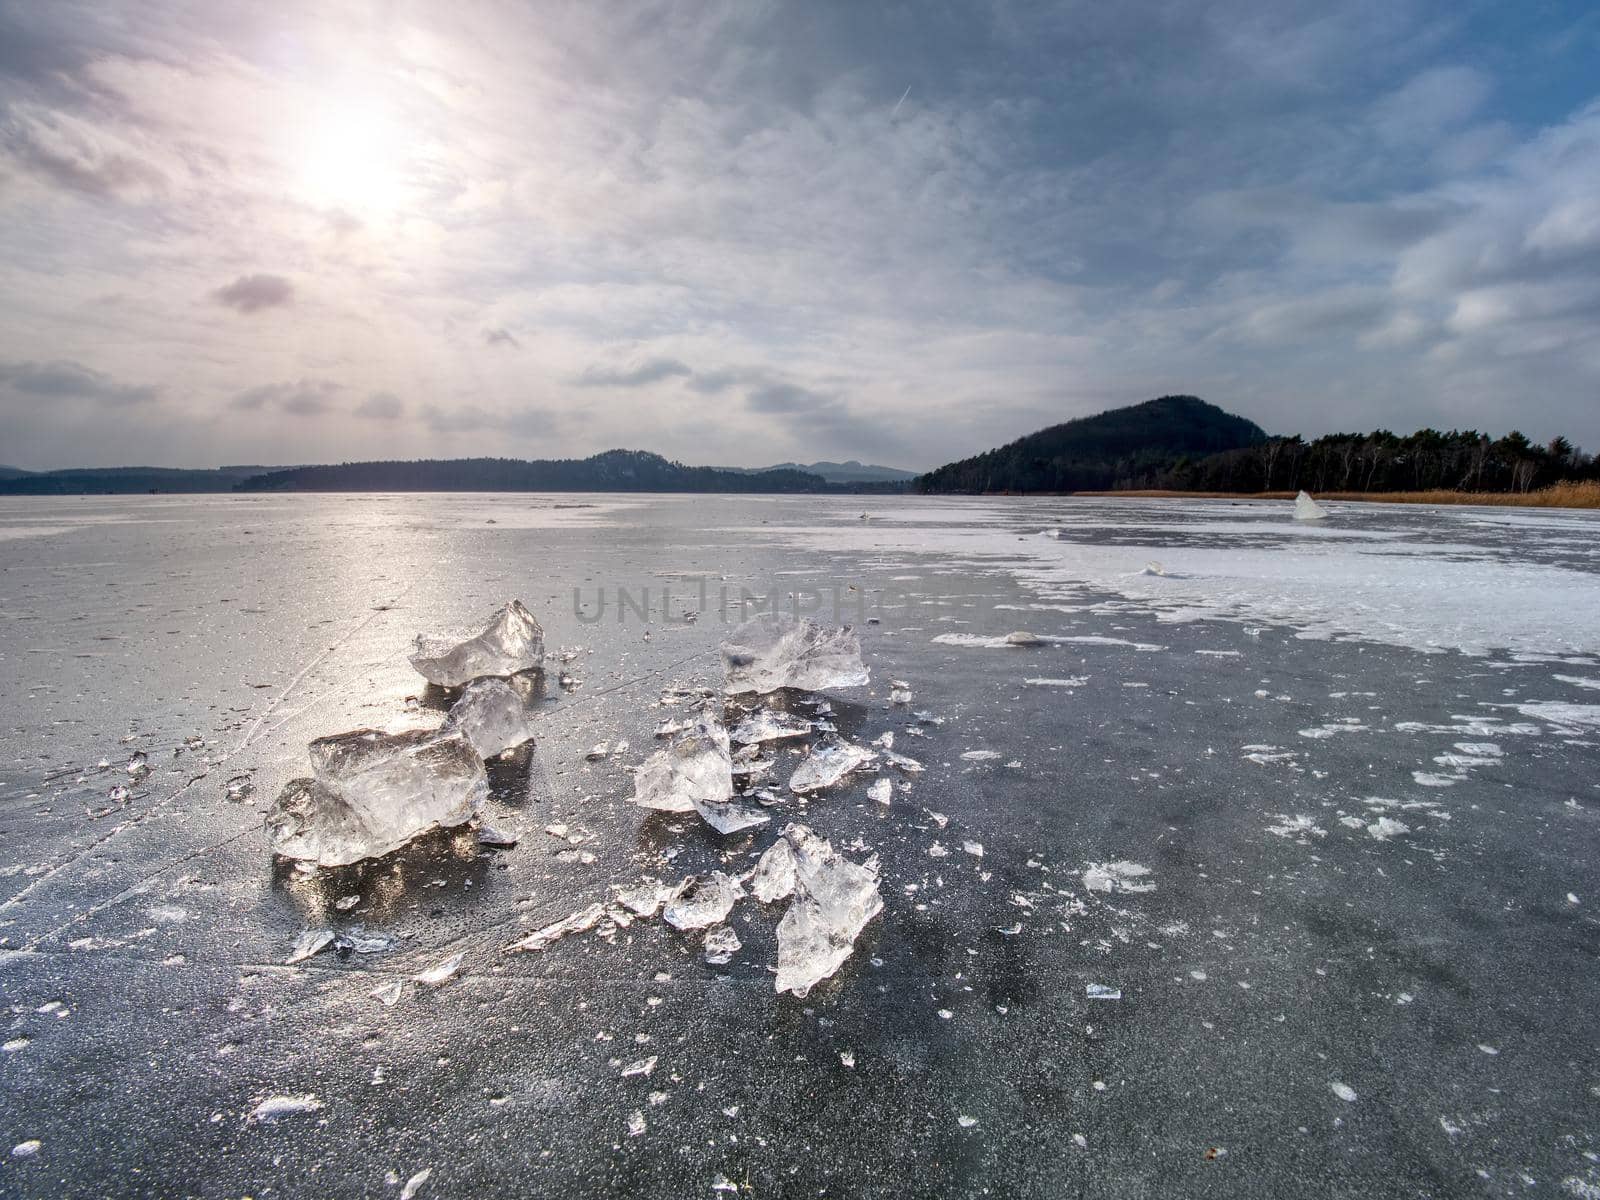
column 1120, row 876
column 118, row 794
column 490, row 835
column 374, row 792
column 966, row 1122
column 493, row 717
column 642, row 1067
column 1022, row 637
column 695, row 767
column 1154, row 568
column 672, row 728
column 309, row 943
column 937, row 818
column 636, row 1124
column 276, row 1108
column 981, row 755
column 1488, row 1049
column 902, row 762
column 881, row 791
column 509, row 644
column 579, row 922
column 240, row 787
column 769, row 726
column 773, row 878
column 1385, row 828
column 389, row 992
column 973, row 848
column 1100, row 991
column 774, row 651
column 830, row 760
column 416, row 1183
column 721, row 944
column 441, row 971
column 900, row 692
column 833, row 901
column 703, row 900
column 26, row 1149
column 139, row 764
column 1342, row 1090
column 599, row 751
column 646, row 899
column 1572, row 897
column 1307, row 509
column 721, row 1183
column 937, row 850
column 730, row 816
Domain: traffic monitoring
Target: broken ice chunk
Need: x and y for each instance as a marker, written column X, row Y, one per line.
column 388, row 993
column 579, row 922
column 374, row 792
column 1100, row 991
column 773, row 878
column 768, row 726
column 902, row 762
column 775, row 651
column 882, row 791
column 646, row 899
column 308, row 944
column 696, row 768
column 1120, row 876
column 899, row 692
column 489, row 835
column 492, row 717
column 275, row 1108
column 509, row 644
column 441, row 972
column 833, row 901
column 721, row 944
column 1023, row 637
column 1307, row 509
column 830, row 760
column 703, row 900
column 730, row 816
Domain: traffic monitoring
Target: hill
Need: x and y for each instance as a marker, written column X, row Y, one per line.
column 75, row 481
column 1120, row 448
column 836, row 472
column 612, row 471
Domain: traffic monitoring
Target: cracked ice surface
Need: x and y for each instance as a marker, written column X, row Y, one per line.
column 509, row 644
column 774, row 651
column 373, row 792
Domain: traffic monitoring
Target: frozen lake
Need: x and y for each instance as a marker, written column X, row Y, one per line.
column 1317, row 801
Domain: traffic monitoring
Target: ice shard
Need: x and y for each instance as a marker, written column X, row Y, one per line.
column 695, row 769
column 703, row 901
column 509, row 644
column 581, row 921
column 492, row 716
column 775, row 651
column 721, row 944
column 830, row 760
column 373, row 792
column 1307, row 509
column 730, row 816
column 773, row 878
column 833, row 901
column 769, row 726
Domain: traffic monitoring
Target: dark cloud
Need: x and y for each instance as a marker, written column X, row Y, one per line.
column 71, row 381
column 302, row 398
column 252, row 293
column 636, row 375
column 76, row 163
column 501, row 337
column 381, row 406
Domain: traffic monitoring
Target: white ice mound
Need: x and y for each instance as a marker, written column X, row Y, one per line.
column 830, row 760
column 511, row 643
column 492, row 716
column 775, row 651
column 1307, row 509
column 833, row 901
column 695, row 769
column 374, row 792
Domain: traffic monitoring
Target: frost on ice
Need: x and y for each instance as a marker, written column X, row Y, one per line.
column 833, row 901
column 830, row 760
column 695, row 770
column 492, row 716
column 509, row 644
column 1307, row 509
column 775, row 651
column 373, row 792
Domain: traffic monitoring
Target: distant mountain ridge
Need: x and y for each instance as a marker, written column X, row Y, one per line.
column 849, row 471
column 1112, row 449
column 611, row 471
column 73, row 481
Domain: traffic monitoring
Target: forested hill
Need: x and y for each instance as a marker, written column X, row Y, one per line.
column 613, row 471
column 1101, row 452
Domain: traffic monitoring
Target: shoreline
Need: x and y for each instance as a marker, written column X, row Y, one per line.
column 1560, row 495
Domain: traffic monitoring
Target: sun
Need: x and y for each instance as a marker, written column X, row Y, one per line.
column 352, row 159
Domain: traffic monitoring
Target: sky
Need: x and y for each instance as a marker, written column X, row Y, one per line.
column 748, row 232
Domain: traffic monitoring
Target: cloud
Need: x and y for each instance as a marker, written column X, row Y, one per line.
column 381, row 406
column 252, row 293
column 76, row 156
column 635, row 375
column 71, row 381
column 501, row 337
column 302, row 398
